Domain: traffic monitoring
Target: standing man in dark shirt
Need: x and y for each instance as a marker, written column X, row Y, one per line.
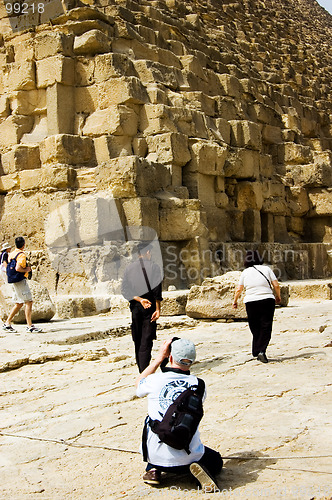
column 141, row 286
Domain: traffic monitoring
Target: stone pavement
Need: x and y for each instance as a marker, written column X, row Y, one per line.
column 71, row 423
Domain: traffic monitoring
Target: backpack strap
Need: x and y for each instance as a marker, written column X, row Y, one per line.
column 144, row 439
column 201, row 387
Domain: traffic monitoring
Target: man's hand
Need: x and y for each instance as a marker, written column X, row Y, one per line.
column 145, row 302
column 155, row 316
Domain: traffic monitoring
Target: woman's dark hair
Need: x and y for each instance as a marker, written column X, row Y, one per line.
column 19, row 242
column 252, row 258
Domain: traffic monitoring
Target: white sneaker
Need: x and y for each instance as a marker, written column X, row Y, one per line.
column 8, row 328
column 33, row 329
column 203, row 477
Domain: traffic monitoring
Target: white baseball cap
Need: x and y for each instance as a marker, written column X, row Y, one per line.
column 183, row 352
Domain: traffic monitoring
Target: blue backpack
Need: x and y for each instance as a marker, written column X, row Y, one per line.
column 14, row 276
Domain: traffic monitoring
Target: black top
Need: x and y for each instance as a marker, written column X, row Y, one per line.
column 4, row 257
column 134, row 283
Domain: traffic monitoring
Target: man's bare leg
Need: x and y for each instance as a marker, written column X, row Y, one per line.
column 12, row 313
column 28, row 311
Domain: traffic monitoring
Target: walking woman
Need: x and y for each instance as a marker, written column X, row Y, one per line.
column 259, row 282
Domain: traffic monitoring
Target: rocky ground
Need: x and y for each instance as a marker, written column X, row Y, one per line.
column 71, row 423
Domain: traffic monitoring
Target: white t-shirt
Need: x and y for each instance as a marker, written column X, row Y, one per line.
column 162, row 388
column 255, row 285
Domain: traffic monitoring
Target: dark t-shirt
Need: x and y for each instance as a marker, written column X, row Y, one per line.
column 134, row 282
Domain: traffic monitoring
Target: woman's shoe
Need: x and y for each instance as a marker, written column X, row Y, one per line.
column 262, row 357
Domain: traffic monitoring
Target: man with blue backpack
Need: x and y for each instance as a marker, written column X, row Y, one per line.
column 171, row 442
column 17, row 274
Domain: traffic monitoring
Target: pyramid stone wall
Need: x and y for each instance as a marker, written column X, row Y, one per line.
column 209, row 122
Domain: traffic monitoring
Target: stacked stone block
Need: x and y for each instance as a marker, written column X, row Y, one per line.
column 209, row 122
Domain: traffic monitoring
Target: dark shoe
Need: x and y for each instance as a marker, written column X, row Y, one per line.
column 8, row 328
column 262, row 357
column 203, row 477
column 152, row 476
column 33, row 329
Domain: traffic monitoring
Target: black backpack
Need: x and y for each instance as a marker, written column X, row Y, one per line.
column 182, row 418
column 14, row 276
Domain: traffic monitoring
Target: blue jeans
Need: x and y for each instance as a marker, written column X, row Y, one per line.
column 211, row 461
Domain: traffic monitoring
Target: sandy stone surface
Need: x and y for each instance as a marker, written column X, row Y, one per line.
column 71, row 423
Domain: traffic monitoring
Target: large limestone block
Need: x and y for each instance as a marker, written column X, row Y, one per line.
column 242, row 164
column 321, row 201
column 214, row 298
column 43, row 308
column 61, row 228
column 314, row 175
column 246, row 134
column 69, row 306
column 86, row 100
column 112, row 65
column 142, row 212
column 13, row 128
column 130, row 176
column 249, row 195
column 174, row 303
column 156, row 119
column 92, row 42
column 230, row 85
column 19, row 76
column 116, row 120
column 207, row 157
column 112, row 146
column 4, row 106
column 121, row 91
column 193, row 64
column 38, row 132
column 220, row 129
column 21, row 157
column 298, row 201
column 170, row 148
column 271, row 135
column 292, row 153
column 29, row 180
column 60, row 109
column 180, row 220
column 30, row 102
column 200, row 102
column 51, row 43
column 9, row 183
column 55, row 69
column 67, row 149
column 274, row 198
column 200, row 186
column 57, row 177
column 150, row 72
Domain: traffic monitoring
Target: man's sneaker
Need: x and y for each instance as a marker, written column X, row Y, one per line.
column 8, row 328
column 262, row 357
column 203, row 477
column 33, row 329
column 152, row 476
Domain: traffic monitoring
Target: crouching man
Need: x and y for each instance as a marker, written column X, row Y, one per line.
column 164, row 389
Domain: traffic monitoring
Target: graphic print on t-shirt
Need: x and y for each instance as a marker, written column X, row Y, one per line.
column 170, row 392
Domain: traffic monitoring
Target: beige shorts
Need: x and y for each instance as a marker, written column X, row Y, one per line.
column 22, row 292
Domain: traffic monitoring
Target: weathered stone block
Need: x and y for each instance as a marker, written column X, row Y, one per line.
column 117, row 120
column 298, row 201
column 249, row 195
column 280, row 229
column 129, row 176
column 86, row 99
column 92, row 42
column 201, row 102
column 150, row 72
column 57, row 177
column 321, row 201
column 67, row 149
column 51, row 43
column 19, row 76
column 266, row 166
column 271, row 135
column 4, row 106
column 8, row 183
column 21, row 157
column 30, row 102
column 55, row 69
column 170, row 148
column 231, row 85
column 13, row 128
column 29, row 180
column 174, row 303
column 38, row 132
column 220, row 129
column 182, row 221
column 112, row 146
column 193, row 64
column 207, row 157
column 156, row 119
column 122, row 90
column 252, row 225
column 60, row 109
column 142, row 212
column 294, row 153
column 242, row 163
column 112, row 65
column 247, row 134
column 84, row 71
